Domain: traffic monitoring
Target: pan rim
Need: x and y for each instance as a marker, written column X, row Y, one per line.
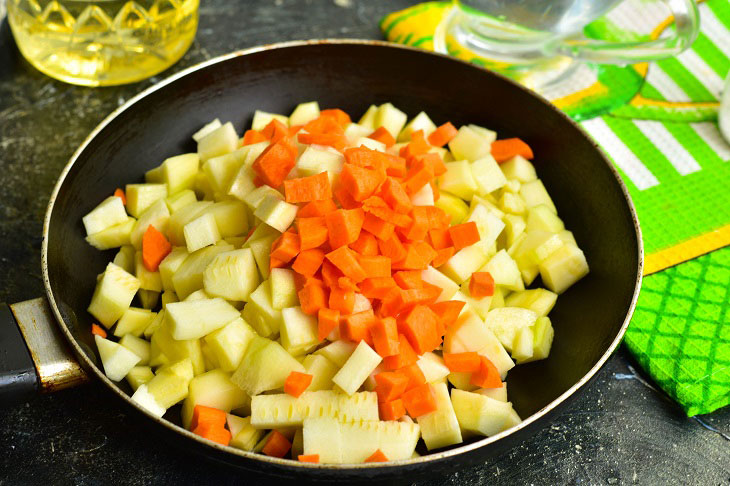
column 288, row 463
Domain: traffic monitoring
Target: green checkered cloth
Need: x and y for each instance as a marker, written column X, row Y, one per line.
column 658, row 124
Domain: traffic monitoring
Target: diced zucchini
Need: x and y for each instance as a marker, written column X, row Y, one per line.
column 175, row 350
column 304, row 113
column 229, row 343
column 116, row 359
column 113, row 236
column 534, row 194
column 487, row 175
column 259, row 311
column 138, row 376
column 522, row 345
column 142, row 196
column 193, row 320
column 265, row 366
column 261, row 249
column 254, row 198
column 368, row 118
column 433, row 367
column 218, row 142
column 519, row 168
column 470, row 144
column 440, row 428
column 282, row 410
column 231, row 217
column 175, row 229
column 434, row 277
column 505, row 322
column 391, row 118
column 156, row 215
column 458, row 179
column 179, row 172
column 542, row 218
column 563, row 268
column 504, row 271
column 480, row 414
column 322, row 371
column 170, row 264
column 454, row 207
column 124, row 258
column 168, row 297
column 276, row 213
column 489, row 224
column 134, row 321
column 466, row 261
column 147, row 280
column 262, row 118
column 247, row 438
column 144, row 399
column 148, row 299
column 514, row 226
column 283, row 288
column 138, row 346
column 170, row 384
column 543, row 334
column 419, row 122
column 206, row 129
column 110, row 212
column 232, row 275
column 338, row 351
column 298, row 331
column 112, row 295
column 540, row 301
column 357, row 368
column 201, row 232
column 213, row 389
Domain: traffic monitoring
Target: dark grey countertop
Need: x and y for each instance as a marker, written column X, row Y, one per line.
column 620, row 431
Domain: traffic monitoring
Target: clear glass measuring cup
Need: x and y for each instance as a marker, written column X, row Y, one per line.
column 537, row 41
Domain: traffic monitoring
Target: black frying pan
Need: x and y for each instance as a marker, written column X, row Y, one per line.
column 589, row 319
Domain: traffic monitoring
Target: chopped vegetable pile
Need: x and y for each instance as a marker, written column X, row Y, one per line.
column 332, row 291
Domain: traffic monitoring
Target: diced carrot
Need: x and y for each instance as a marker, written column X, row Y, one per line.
column 274, row 130
column 360, row 182
column 416, row 146
column 421, row 327
column 207, row 416
column 383, row 135
column 334, row 140
column 312, row 232
column 330, row 274
column 377, row 288
column 408, row 279
column 448, row 311
column 276, row 161
column 324, row 124
column 375, row 266
column 393, row 249
column 294, row 129
column 405, row 357
column 252, row 136
column 467, row 362
column 308, row 262
column 285, row 247
column 419, row 401
column 481, row 285
column 313, row 296
column 442, row 135
column 218, row 434
column 381, row 229
column 366, row 244
column 442, row 256
column 344, row 226
column 413, row 374
column 356, row 327
column 342, row 196
column 395, row 166
column 396, row 197
column 440, row 238
column 317, row 208
column 342, row 300
column 464, row 234
column 416, row 178
column 384, row 333
column 437, row 218
column 503, row 150
column 327, row 321
column 487, row 376
column 307, row 189
column 120, row 194
column 346, row 283
column 277, row 445
column 258, row 181
column 342, row 118
column 346, row 261
column 276, row 263
column 419, row 227
column 367, row 158
column 296, row 383
column 379, row 208
column 98, row 330
column 435, row 191
column 390, row 385
column 377, row 456
column 419, row 256
column 313, row 458
column 392, row 410
column 155, row 248
column 399, row 300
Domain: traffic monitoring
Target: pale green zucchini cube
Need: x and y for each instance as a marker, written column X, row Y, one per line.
column 193, row 320
column 433, row 367
column 116, row 359
column 147, row 280
column 168, row 297
column 522, row 346
column 113, row 236
column 144, row 399
column 519, row 168
column 113, row 293
column 487, row 175
column 243, row 183
column 138, row 346
column 304, row 113
column 134, row 321
column 540, row 301
column 488, row 134
column 177, row 222
column 228, row 344
column 176, row 350
column 466, row 261
column 265, row 366
column 458, row 179
column 435, row 277
column 470, row 144
column 170, row 384
column 563, row 268
column 368, row 118
column 110, row 212
column 260, row 313
column 124, row 258
column 283, row 288
column 534, row 194
column 281, row 410
column 276, row 213
column 514, row 226
column 542, row 218
column 201, row 232
column 440, row 428
column 154, row 324
column 261, row 249
column 218, row 142
column 322, row 371
column 206, row 129
column 338, row 351
column 142, row 196
column 232, row 275
column 254, row 198
column 391, row 118
column 355, row 131
column 179, row 172
column 504, row 271
column 298, row 331
column 230, row 217
column 495, row 393
column 138, row 376
column 506, row 322
column 454, row 207
column 148, row 299
column 170, row 264
column 489, row 223
column 247, row 438
column 423, row 197
column 480, row 414
column 357, row 368
column 512, row 203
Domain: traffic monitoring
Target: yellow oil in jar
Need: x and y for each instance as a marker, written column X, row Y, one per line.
column 102, row 42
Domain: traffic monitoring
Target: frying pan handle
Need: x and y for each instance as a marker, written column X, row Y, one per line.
column 34, row 355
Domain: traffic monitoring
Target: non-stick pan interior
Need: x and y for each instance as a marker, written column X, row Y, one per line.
column 585, row 190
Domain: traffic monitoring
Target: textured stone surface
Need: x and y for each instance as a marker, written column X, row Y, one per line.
column 620, row 431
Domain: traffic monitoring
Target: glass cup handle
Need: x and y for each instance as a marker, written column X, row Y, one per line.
column 686, row 21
